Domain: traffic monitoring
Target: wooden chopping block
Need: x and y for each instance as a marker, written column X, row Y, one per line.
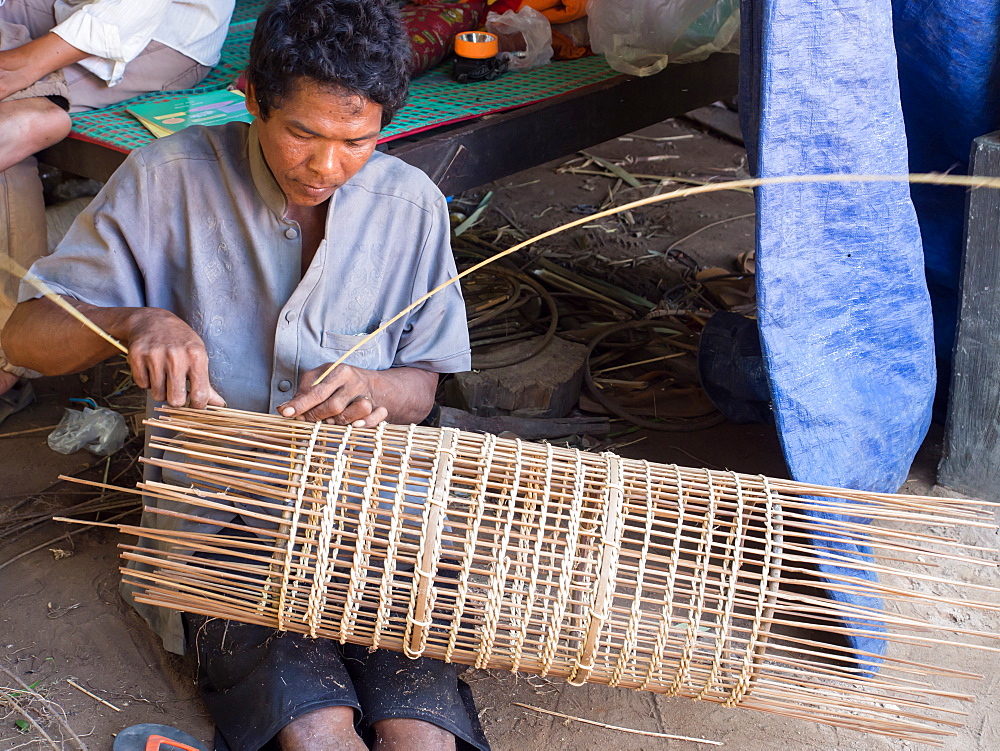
column 546, row 385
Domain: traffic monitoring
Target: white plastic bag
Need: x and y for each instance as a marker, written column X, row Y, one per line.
column 640, row 37
column 101, row 431
column 525, row 35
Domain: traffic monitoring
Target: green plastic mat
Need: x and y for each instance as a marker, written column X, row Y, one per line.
column 246, row 10
column 434, row 98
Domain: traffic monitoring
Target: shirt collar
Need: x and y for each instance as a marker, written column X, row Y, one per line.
column 263, row 180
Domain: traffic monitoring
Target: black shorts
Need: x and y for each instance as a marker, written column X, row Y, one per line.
column 255, row 680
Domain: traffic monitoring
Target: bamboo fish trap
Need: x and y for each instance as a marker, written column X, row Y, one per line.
column 593, row 568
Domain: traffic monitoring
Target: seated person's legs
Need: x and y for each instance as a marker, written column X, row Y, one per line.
column 22, row 239
column 29, row 122
column 29, row 119
column 326, row 729
column 308, row 694
column 403, row 733
column 267, row 690
column 30, row 125
column 157, row 68
column 37, row 16
column 332, row 729
column 413, row 704
column 271, row 690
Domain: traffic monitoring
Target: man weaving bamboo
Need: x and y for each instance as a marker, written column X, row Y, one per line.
column 237, row 261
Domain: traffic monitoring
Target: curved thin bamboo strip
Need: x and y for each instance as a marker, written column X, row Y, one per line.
column 592, row 568
column 929, row 178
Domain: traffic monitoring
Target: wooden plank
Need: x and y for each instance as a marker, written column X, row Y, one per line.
column 720, row 121
column 488, row 148
column 971, row 461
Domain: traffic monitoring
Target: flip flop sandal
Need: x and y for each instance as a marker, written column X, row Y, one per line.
column 17, row 398
column 153, row 737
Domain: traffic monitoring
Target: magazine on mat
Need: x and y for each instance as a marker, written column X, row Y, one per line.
column 163, row 118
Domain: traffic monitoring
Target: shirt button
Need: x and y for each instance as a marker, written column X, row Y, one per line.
column 284, row 386
column 290, row 316
column 291, row 233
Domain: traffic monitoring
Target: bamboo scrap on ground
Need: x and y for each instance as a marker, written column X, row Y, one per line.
column 592, row 568
column 92, row 695
column 618, row 728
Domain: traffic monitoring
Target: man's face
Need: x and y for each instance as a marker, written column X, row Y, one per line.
column 317, row 139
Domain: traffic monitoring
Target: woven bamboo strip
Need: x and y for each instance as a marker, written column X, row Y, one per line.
column 591, row 568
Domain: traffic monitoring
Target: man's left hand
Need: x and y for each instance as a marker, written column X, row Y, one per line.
column 12, row 77
column 22, row 66
column 345, row 397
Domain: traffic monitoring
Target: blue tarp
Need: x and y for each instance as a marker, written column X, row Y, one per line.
column 843, row 306
column 949, row 80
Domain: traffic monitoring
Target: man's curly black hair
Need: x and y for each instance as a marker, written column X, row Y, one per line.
column 357, row 46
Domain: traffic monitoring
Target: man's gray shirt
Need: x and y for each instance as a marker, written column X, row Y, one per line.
column 195, row 224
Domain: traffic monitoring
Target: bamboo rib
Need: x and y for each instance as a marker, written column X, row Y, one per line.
column 590, row 568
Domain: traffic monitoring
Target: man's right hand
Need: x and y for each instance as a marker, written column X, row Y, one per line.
column 169, row 358
column 166, row 355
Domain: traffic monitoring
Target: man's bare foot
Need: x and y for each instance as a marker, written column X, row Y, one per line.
column 403, row 734
column 28, row 126
column 326, row 729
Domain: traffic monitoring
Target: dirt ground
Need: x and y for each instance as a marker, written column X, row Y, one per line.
column 61, row 618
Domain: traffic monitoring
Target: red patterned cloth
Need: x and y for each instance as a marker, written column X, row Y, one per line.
column 433, row 24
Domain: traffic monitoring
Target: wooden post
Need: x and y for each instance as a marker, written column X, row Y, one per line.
column 971, row 461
